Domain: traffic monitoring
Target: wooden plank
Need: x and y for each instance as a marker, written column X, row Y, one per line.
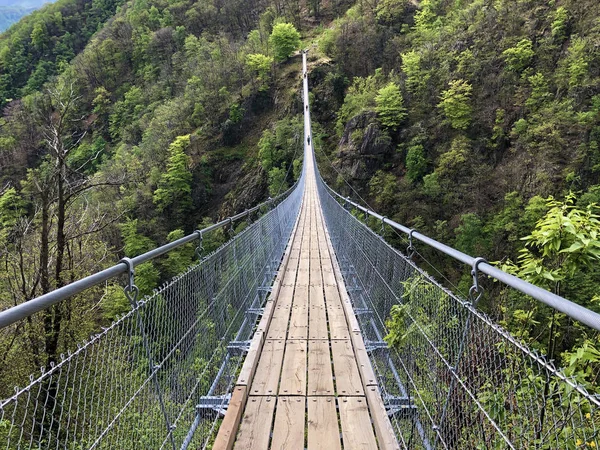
column 303, row 278
column 279, row 322
column 315, row 276
column 265, row 320
column 288, row 431
column 304, row 264
column 386, row 438
column 332, row 296
column 286, row 295
column 328, row 277
column 338, row 328
column 228, row 429
column 323, row 430
column 362, row 360
column 299, row 323
column 347, row 377
column 293, row 373
column 317, row 325
column 251, row 360
column 316, row 296
column 289, row 277
column 266, row 377
column 357, row 431
column 300, row 296
column 320, row 376
column 255, row 429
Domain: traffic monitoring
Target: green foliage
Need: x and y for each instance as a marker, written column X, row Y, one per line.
column 575, row 66
column 135, row 243
column 390, row 11
column 179, row 259
column 565, row 240
column 383, row 187
column 277, row 181
column 470, row 236
column 260, row 65
column 41, row 44
column 416, row 77
column 518, row 58
column 389, row 105
column 560, row 24
column 453, row 161
column 277, row 146
column 175, row 185
column 416, row 163
column 456, row 104
column 285, row 40
column 360, row 97
column 540, row 91
column 12, row 207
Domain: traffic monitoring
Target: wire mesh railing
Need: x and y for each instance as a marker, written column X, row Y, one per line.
column 161, row 375
column 450, row 377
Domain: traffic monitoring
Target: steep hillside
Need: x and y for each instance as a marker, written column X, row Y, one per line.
column 43, row 43
column 458, row 116
column 172, row 116
column 12, row 14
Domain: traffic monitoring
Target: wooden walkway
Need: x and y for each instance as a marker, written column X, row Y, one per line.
column 307, row 381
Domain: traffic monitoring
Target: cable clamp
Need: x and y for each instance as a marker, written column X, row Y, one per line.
column 383, row 219
column 200, row 247
column 476, row 291
column 410, row 250
column 131, row 290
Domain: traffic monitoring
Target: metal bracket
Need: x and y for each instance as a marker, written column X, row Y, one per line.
column 216, row 403
column 410, row 250
column 238, row 347
column 131, row 290
column 199, row 247
column 255, row 311
column 395, row 405
column 371, row 346
column 476, row 290
column 363, row 311
column 382, row 231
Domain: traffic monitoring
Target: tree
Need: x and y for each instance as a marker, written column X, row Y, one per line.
column 416, row 163
column 390, row 105
column 175, row 185
column 416, row 76
column 285, row 40
column 260, row 65
column 518, row 58
column 456, row 104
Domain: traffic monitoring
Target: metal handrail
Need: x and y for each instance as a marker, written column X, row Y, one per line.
column 25, row 309
column 573, row 310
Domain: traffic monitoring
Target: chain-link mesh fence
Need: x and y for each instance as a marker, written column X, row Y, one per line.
column 452, row 378
column 161, row 375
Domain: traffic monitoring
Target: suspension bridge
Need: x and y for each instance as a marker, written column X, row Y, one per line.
column 276, row 341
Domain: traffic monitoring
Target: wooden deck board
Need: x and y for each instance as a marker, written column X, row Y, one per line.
column 293, row 373
column 255, row 428
column 320, row 375
column 266, row 378
column 288, row 430
column 357, row 431
column 323, row 428
column 347, row 377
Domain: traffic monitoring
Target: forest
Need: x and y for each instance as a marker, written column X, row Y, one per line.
column 127, row 124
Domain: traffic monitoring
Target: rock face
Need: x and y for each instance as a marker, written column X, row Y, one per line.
column 364, row 147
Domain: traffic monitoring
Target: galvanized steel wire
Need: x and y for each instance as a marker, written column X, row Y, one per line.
column 161, row 375
column 454, row 379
